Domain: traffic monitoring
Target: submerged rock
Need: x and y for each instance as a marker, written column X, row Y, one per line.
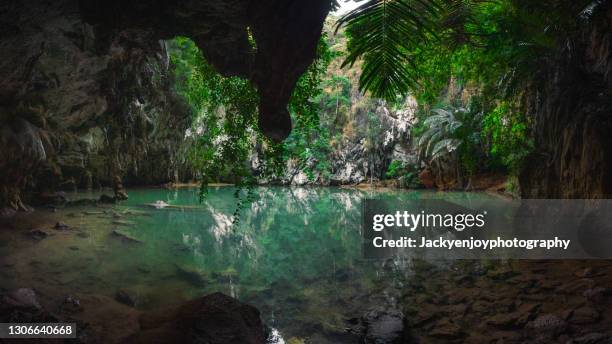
column 60, row 226
column 126, row 237
column 21, row 298
column 22, row 306
column 592, row 338
column 192, row 275
column 383, row 326
column 107, row 199
column 212, row 319
column 124, row 223
column 93, row 212
column 445, row 329
column 125, row 297
column 38, row 234
column 7, row 214
column 584, row 315
column 546, row 326
column 52, row 198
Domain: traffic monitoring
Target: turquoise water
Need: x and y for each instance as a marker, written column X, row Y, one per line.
column 295, row 254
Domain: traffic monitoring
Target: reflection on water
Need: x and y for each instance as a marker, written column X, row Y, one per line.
column 295, row 254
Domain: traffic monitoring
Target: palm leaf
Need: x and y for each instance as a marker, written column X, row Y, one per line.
column 381, row 33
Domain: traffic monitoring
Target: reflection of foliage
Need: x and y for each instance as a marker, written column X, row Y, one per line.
column 225, row 117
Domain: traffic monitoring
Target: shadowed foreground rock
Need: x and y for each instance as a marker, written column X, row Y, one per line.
column 212, row 319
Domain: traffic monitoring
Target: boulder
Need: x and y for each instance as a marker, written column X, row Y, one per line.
column 383, row 326
column 212, row 319
column 38, row 234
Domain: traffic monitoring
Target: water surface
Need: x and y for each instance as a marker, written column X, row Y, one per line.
column 295, row 254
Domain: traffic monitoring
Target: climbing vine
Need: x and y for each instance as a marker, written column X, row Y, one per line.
column 225, row 136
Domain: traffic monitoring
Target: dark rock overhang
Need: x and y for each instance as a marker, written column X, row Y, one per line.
column 286, row 33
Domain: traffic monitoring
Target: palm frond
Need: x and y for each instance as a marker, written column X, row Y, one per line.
column 381, row 32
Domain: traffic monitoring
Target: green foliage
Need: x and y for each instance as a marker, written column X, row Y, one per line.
column 508, row 132
column 225, row 133
column 393, row 171
column 452, row 133
column 408, row 175
column 417, row 45
column 308, row 143
column 381, row 32
column 485, row 51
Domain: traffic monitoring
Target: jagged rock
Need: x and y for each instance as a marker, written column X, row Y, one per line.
column 212, row 319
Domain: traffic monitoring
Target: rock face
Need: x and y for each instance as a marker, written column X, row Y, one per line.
column 572, row 118
column 364, row 152
column 212, row 319
column 86, row 96
column 286, row 35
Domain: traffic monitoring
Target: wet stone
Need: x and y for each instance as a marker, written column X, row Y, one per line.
column 547, row 325
column 592, row 338
column 60, row 226
column 192, row 275
column 124, row 223
column 584, row 315
column 21, row 298
column 595, row 295
column 445, row 329
column 383, row 326
column 125, row 297
column 38, row 234
column 125, row 237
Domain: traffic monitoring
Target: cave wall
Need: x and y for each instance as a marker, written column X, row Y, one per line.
column 74, row 116
column 572, row 109
column 86, row 93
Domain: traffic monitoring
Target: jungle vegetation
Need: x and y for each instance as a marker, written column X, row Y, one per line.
column 468, row 63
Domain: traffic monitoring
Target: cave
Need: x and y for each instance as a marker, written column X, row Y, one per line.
column 208, row 171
